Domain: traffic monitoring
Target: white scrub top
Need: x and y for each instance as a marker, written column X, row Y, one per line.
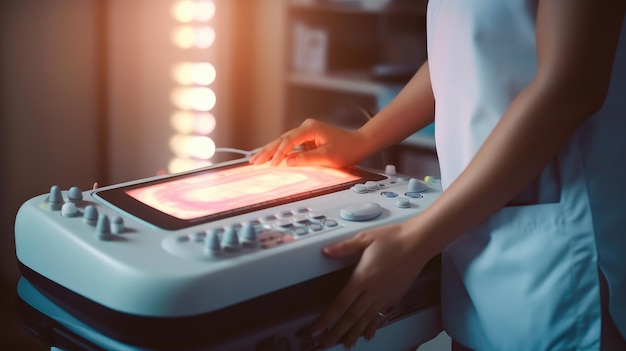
column 527, row 278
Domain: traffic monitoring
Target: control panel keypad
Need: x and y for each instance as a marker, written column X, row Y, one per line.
column 266, row 232
column 71, row 204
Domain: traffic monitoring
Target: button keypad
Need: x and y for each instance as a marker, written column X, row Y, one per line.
column 266, row 232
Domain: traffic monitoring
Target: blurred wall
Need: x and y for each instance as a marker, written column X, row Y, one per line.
column 85, row 96
column 249, row 57
column 139, row 83
column 260, row 50
column 49, row 117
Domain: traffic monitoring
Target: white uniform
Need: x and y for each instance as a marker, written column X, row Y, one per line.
column 526, row 279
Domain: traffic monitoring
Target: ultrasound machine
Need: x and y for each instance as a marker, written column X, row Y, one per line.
column 224, row 258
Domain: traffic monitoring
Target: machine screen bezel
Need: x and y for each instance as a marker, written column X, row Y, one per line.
column 119, row 197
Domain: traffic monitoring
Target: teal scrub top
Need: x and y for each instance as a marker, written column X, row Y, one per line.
column 527, row 278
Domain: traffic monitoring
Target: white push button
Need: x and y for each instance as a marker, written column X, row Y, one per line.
column 359, row 189
column 371, row 185
column 403, row 202
column 69, row 210
column 390, row 170
column 361, row 212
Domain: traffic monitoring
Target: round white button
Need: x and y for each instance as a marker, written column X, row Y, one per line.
column 371, row 186
column 359, row 189
column 361, row 212
column 69, row 210
column 403, row 202
column 390, row 170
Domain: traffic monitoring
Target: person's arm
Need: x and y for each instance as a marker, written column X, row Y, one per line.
column 411, row 110
column 576, row 43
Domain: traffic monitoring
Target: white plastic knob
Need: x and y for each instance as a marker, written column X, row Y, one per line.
column 416, row 186
column 69, row 210
column 390, row 170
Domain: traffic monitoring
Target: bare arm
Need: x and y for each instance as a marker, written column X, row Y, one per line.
column 576, row 42
column 411, row 110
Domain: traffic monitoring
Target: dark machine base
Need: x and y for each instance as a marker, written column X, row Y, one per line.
column 279, row 308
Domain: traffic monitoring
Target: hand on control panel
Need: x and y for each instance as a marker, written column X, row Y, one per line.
column 319, row 143
column 386, row 270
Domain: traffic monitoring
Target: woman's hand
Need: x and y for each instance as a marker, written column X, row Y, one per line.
column 387, row 268
column 321, row 144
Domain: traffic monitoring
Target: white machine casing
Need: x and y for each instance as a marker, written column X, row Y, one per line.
column 149, row 271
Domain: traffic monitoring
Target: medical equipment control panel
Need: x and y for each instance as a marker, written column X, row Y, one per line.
column 196, row 242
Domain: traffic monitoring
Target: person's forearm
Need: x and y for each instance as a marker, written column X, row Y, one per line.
column 411, row 110
column 511, row 157
column 538, row 123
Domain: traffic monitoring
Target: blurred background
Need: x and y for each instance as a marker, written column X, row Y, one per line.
column 113, row 90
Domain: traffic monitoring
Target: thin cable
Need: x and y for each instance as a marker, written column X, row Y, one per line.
column 246, row 154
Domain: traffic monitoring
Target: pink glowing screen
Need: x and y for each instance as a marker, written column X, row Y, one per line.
column 225, row 190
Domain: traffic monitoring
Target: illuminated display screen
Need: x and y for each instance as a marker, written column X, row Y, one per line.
column 210, row 193
column 184, row 200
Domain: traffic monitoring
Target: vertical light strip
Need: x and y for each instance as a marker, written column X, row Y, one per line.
column 193, row 96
